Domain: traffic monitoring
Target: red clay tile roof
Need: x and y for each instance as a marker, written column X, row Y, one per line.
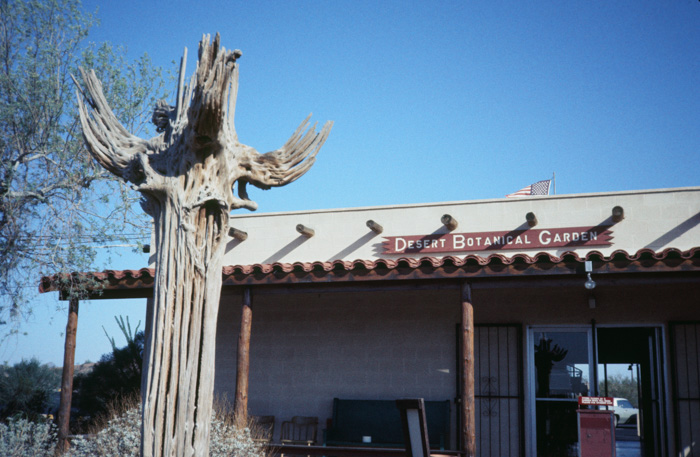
column 472, row 259
column 670, row 259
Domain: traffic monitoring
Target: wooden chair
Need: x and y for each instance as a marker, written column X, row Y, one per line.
column 262, row 428
column 300, row 430
column 415, row 428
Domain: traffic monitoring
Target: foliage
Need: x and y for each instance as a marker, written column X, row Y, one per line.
column 24, row 438
column 56, row 205
column 121, row 437
column 623, row 387
column 25, row 388
column 116, row 376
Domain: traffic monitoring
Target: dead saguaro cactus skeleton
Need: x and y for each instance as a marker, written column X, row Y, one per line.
column 186, row 176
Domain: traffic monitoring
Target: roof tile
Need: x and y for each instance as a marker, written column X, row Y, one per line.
column 144, row 277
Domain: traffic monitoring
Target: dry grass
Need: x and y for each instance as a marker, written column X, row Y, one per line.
column 116, row 408
column 224, row 411
column 118, row 434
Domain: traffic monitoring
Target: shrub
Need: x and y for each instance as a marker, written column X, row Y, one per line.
column 121, row 437
column 25, row 388
column 116, row 376
column 23, row 438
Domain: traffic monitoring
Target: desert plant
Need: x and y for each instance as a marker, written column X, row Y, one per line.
column 121, row 436
column 115, row 377
column 23, row 438
column 25, row 388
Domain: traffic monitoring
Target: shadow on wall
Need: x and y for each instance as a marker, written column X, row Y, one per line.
column 674, row 233
column 364, row 239
column 292, row 245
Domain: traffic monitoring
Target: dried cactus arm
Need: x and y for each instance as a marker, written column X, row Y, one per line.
column 108, row 141
column 288, row 163
column 209, row 103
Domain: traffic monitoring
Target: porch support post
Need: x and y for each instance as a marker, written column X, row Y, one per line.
column 67, row 377
column 468, row 432
column 243, row 361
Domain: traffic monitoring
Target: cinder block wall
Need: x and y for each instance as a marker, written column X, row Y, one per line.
column 308, row 348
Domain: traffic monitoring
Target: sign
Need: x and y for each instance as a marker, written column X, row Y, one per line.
column 597, row 401
column 569, row 237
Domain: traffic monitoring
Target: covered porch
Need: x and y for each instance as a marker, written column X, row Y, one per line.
column 292, row 337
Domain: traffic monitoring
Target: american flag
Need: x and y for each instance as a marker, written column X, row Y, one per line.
column 538, row 188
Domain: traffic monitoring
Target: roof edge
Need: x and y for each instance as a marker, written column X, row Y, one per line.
column 469, row 202
column 543, row 263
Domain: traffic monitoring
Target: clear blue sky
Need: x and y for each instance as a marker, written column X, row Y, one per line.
column 432, row 101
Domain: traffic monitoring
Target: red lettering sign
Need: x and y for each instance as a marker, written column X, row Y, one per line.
column 570, row 237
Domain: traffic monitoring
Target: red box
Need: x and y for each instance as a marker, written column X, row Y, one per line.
column 596, row 433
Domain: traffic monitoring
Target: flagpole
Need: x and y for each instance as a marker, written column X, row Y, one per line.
column 554, row 185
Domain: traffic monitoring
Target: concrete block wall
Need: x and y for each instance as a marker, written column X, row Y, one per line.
column 307, row 349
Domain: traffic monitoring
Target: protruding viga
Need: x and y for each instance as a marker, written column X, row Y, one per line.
column 186, row 176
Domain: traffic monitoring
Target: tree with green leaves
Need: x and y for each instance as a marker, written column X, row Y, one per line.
column 57, row 206
column 25, row 388
column 621, row 386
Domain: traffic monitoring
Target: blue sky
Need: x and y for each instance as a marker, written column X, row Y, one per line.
column 432, row 101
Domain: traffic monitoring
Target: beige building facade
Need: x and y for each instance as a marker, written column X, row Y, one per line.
column 570, row 295
column 351, row 313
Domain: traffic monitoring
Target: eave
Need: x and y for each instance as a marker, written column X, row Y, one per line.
column 139, row 283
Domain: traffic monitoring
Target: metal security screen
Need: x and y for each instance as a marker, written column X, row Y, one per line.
column 498, row 390
column 685, row 338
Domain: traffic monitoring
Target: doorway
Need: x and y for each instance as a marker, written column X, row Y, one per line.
column 626, row 364
column 629, row 371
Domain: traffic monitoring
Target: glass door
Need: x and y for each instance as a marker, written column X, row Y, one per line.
column 563, row 366
column 629, row 370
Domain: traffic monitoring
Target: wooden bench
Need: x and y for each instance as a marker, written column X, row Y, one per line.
column 381, row 420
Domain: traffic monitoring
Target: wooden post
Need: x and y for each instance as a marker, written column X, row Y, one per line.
column 618, row 213
column 240, row 235
column 449, row 222
column 468, row 432
column 306, row 231
column 243, row 361
column 373, row 226
column 531, row 219
column 67, row 378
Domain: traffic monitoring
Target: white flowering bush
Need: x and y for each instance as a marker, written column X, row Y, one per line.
column 122, row 437
column 227, row 440
column 23, row 438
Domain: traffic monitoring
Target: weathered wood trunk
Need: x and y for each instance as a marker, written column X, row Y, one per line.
column 178, row 383
column 186, row 176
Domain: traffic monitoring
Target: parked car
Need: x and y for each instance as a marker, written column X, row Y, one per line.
column 625, row 413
